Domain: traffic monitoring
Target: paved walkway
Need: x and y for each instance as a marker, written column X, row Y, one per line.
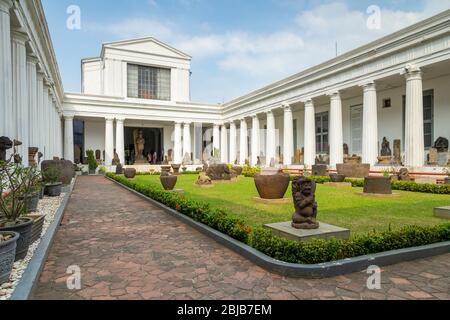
column 128, row 249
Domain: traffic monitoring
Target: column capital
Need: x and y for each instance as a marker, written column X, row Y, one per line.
column 68, row 117
column 334, row 94
column 269, row 112
column 178, row 123
column 286, row 107
column 412, row 72
column 187, row 123
column 369, row 86
column 120, row 119
column 309, row 103
column 31, row 58
column 19, row 35
column 5, row 5
column 255, row 116
column 109, row 118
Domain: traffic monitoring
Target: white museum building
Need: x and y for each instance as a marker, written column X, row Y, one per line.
column 395, row 89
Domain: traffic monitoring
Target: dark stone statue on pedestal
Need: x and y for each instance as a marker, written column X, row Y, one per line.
column 386, row 148
column 5, row 144
column 303, row 192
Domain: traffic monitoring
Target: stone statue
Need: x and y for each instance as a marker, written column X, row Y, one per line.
column 187, row 159
column 170, row 155
column 303, row 192
column 386, row 148
column 116, row 160
column 346, row 150
column 441, row 144
column 17, row 157
column 397, row 151
column 139, row 144
column 204, row 180
column 166, row 160
column 219, row 172
column 40, row 155
column 403, row 175
column 5, row 144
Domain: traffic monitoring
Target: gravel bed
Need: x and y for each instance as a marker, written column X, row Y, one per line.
column 48, row 206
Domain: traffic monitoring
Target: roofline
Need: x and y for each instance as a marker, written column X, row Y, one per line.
column 371, row 46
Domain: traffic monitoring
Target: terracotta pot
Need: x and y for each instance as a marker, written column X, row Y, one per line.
column 338, row 178
column 129, row 173
column 38, row 224
column 23, row 243
column 7, row 255
column 272, row 186
column 378, row 185
column 168, row 182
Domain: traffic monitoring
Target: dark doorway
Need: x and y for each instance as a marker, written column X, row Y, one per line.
column 154, row 144
column 78, row 141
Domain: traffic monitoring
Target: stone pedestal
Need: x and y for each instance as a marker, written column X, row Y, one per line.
column 320, row 170
column 443, row 213
column 325, row 231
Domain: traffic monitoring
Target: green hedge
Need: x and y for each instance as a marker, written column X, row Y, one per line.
column 316, row 251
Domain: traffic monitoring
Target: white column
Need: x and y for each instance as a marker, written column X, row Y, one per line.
column 255, row 140
column 244, row 142
column 270, row 140
column 40, row 111
column 233, row 137
column 109, row 140
column 6, row 107
column 68, row 138
column 45, row 119
column 60, row 135
column 310, row 134
column 414, row 131
column 224, row 144
column 178, row 147
column 50, row 130
column 32, row 101
column 370, row 125
column 19, row 85
column 336, row 134
column 120, row 139
column 216, row 140
column 187, row 141
column 288, row 136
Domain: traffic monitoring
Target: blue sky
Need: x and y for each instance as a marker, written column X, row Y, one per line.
column 237, row 45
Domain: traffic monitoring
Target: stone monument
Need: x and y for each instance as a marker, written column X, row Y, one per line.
column 386, row 152
column 433, row 157
column 441, row 144
column 139, row 146
column 397, row 152
column 5, row 144
column 303, row 192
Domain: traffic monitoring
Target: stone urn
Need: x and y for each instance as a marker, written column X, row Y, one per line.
column 168, row 181
column 337, row 178
column 176, row 169
column 129, row 173
column 272, row 186
column 377, row 185
column 165, row 169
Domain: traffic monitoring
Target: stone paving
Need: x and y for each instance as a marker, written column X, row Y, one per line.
column 128, row 249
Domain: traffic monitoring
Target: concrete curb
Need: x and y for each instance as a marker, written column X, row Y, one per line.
column 324, row 270
column 31, row 275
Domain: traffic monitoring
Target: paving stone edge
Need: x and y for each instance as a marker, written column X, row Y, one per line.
column 324, row 270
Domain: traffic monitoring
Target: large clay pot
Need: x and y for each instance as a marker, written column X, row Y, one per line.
column 66, row 167
column 378, row 185
column 168, row 182
column 337, row 178
column 272, row 186
column 38, row 225
column 7, row 255
column 129, row 173
column 23, row 243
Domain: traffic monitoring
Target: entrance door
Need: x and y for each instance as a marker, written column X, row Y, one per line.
column 356, row 128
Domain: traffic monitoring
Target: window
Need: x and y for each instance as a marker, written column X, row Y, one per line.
column 322, row 144
column 387, row 103
column 428, row 118
column 148, row 82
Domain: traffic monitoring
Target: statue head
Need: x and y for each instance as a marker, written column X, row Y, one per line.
column 302, row 186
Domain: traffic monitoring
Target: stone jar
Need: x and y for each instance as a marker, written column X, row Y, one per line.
column 378, row 185
column 337, row 178
column 129, row 173
column 272, row 186
column 168, row 182
column 7, row 255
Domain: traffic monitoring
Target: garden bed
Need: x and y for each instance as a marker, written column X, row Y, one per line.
column 50, row 206
column 314, row 252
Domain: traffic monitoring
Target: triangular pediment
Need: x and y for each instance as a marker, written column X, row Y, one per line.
column 148, row 46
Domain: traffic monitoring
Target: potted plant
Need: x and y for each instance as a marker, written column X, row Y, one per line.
column 8, row 244
column 92, row 163
column 15, row 183
column 102, row 170
column 52, row 180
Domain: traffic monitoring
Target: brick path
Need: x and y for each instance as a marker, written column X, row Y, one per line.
column 128, row 249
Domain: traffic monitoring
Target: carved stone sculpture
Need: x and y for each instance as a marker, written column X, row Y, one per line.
column 32, row 156
column 403, row 175
column 303, row 193
column 204, row 180
column 346, row 150
column 397, row 151
column 17, row 157
column 169, row 155
column 433, row 156
column 168, row 181
column 5, row 144
column 441, row 144
column 139, row 144
column 218, row 172
column 187, row 159
column 386, row 148
column 116, row 160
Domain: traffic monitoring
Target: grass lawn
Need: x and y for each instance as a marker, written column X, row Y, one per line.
column 337, row 206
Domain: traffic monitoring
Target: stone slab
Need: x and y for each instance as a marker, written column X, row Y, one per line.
column 378, row 195
column 443, row 213
column 338, row 184
column 325, row 231
column 274, row 201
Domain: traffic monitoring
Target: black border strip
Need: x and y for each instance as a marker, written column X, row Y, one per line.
column 324, row 270
column 33, row 271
